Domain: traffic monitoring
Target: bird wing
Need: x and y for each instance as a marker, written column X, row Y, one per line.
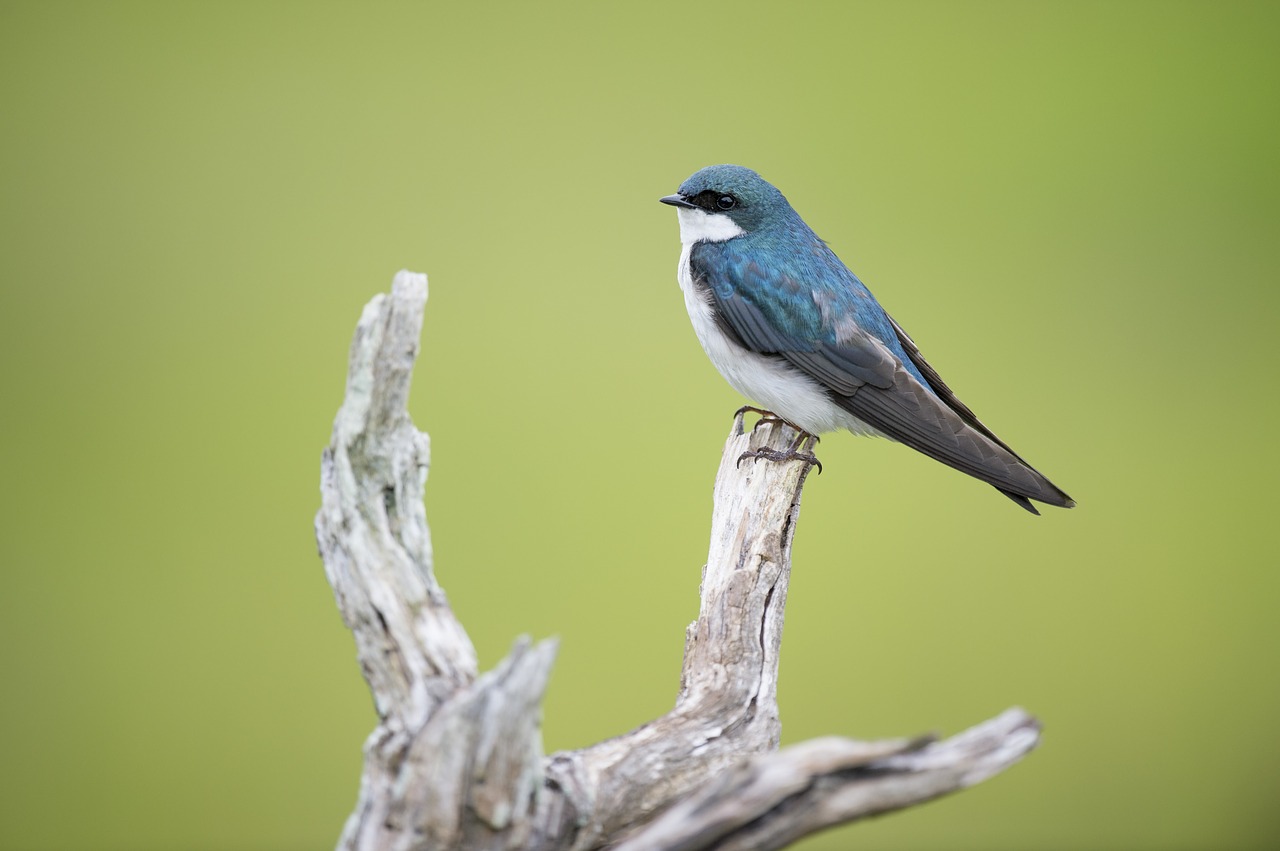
column 775, row 314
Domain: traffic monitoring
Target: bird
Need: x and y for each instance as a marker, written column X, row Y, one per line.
column 790, row 327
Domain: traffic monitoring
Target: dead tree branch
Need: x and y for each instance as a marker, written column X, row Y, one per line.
column 456, row 759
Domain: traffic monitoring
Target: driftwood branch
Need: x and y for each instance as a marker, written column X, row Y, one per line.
column 456, row 760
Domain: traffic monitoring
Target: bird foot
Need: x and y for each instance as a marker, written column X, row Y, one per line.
column 801, row 449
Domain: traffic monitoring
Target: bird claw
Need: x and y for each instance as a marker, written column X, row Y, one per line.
column 791, row 454
column 740, row 415
column 754, row 410
column 767, row 416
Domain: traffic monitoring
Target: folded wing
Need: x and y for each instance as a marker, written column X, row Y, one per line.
column 871, row 382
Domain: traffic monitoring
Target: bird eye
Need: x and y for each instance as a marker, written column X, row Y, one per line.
column 726, row 202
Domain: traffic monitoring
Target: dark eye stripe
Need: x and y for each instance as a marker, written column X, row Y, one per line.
column 715, row 202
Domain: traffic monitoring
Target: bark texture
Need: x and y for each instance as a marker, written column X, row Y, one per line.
column 456, row 760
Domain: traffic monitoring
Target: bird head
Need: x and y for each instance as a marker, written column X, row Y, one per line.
column 721, row 202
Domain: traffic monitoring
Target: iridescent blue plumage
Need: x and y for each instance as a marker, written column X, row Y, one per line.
column 790, row 326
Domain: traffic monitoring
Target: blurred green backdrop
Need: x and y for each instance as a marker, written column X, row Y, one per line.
column 1072, row 207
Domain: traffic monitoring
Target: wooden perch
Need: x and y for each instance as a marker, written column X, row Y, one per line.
column 456, row 759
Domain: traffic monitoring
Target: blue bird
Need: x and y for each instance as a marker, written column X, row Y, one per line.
column 790, row 327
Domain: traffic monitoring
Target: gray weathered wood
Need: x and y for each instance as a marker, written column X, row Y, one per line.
column 456, row 761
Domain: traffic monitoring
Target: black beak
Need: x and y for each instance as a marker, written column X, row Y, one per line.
column 678, row 201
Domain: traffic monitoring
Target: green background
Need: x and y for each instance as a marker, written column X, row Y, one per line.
column 1071, row 207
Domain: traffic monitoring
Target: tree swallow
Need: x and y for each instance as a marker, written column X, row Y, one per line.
column 790, row 327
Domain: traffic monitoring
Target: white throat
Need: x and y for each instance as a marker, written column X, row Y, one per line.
column 701, row 226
